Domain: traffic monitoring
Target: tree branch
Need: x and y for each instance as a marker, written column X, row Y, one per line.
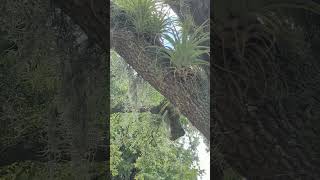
column 192, row 103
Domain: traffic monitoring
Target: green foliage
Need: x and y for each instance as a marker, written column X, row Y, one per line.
column 144, row 138
column 144, row 15
column 140, row 141
column 185, row 45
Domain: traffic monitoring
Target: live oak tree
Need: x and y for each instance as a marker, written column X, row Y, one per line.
column 265, row 80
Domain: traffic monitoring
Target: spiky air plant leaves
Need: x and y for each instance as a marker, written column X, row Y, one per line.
column 184, row 47
column 146, row 15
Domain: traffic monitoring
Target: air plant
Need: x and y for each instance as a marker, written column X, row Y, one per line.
column 184, row 47
column 145, row 15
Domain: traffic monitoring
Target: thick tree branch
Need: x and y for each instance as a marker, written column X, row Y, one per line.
column 189, row 96
column 189, row 100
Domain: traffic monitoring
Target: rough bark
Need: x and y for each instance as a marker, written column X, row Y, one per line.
column 192, row 102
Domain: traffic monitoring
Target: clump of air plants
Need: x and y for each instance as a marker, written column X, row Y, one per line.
column 145, row 15
column 183, row 47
